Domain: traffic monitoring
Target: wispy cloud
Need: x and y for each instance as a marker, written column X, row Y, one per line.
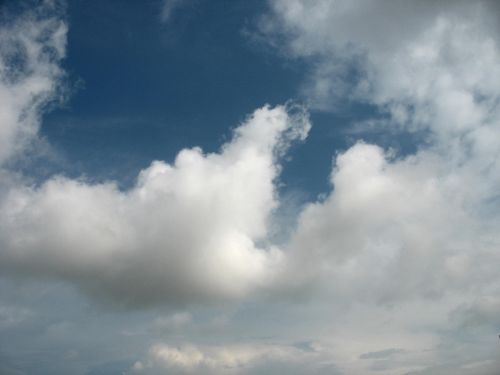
column 169, row 7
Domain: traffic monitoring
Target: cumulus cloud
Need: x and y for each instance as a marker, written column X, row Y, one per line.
column 184, row 232
column 421, row 227
column 407, row 243
column 411, row 220
column 426, row 218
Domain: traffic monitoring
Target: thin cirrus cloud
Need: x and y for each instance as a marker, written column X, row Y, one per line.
column 169, row 7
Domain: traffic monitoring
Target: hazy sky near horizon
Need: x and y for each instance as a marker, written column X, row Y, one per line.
column 249, row 187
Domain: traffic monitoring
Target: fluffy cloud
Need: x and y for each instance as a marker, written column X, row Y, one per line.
column 184, row 232
column 403, row 249
column 413, row 220
column 383, row 52
column 397, row 229
column 424, row 219
column 429, row 66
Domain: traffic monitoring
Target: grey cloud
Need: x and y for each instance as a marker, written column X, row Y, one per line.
column 486, row 367
column 381, row 354
column 482, row 312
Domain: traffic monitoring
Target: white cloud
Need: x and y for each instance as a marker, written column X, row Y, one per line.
column 427, row 218
column 231, row 359
column 395, row 230
column 31, row 48
column 412, row 220
column 191, row 358
column 402, row 249
column 431, row 64
column 184, row 232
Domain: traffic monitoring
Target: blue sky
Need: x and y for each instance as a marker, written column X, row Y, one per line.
column 157, row 87
column 249, row 187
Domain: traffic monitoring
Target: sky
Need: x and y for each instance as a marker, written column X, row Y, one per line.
column 249, row 187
